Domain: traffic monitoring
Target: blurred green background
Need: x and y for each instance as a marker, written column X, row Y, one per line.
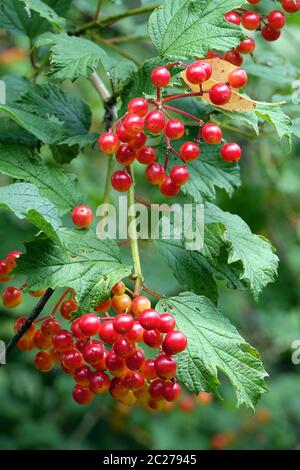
column 37, row 411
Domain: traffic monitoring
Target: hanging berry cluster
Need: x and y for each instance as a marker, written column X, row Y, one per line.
column 270, row 27
column 127, row 138
column 102, row 353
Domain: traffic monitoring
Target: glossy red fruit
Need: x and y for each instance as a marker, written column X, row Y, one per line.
column 104, row 306
column 211, row 133
column 138, row 106
column 160, row 76
column 62, row 340
column 233, row 17
column 207, row 67
column 108, row 334
column 146, row 155
column 20, row 322
column 67, row 308
column 174, row 129
column 121, row 181
column 82, row 216
column 149, row 319
column 149, row 370
column 195, row 73
column 134, row 380
column 139, row 304
column 11, row 259
column 99, row 382
column 189, row 151
column 153, row 338
column 123, row 347
column 3, row 267
column 125, row 155
column 231, row 152
column 138, row 141
column 90, row 324
column 108, row 143
column 41, row 341
column 237, row 78
column 251, row 20
column 168, row 187
column 118, row 389
column 234, row 57
column 136, row 360
column 93, row 352
column 82, row 395
column 165, row 366
column 119, row 288
column 123, row 323
column 220, row 94
column 83, row 375
column 136, row 334
column 212, row 55
column 76, row 330
column 72, row 359
column 155, row 122
column 12, row 297
column 156, row 389
column 50, row 326
column 253, row 2
column 171, row 391
column 179, row 174
column 174, row 342
column 133, row 124
column 121, row 303
column 114, row 363
column 247, row 46
column 166, row 323
column 122, row 135
column 155, row 173
column 291, row 6
column 43, row 361
column 270, row 34
column 276, row 19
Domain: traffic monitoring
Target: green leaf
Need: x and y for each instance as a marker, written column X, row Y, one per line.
column 88, row 265
column 258, row 260
column 26, row 202
column 45, row 12
column 214, row 345
column 183, row 28
column 275, row 116
column 55, row 184
column 273, row 68
column 15, row 87
column 12, row 133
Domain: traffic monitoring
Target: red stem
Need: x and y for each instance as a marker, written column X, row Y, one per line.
column 59, row 301
column 184, row 113
column 118, row 121
column 182, row 95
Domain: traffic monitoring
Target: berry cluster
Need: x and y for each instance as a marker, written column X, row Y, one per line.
column 103, row 354
column 269, row 25
column 127, row 138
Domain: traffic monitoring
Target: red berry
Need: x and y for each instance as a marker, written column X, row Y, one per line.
column 43, row 361
column 220, row 94
column 211, row 133
column 253, row 2
column 82, row 396
column 3, row 267
column 189, row 151
column 50, row 326
column 212, row 55
column 270, row 34
column 155, row 122
column 99, row 382
column 76, row 330
column 139, row 304
column 121, row 303
column 247, row 46
column 136, row 334
column 146, row 155
column 165, row 366
column 138, row 106
column 174, row 342
column 90, row 324
column 168, row 187
column 114, row 363
column 291, row 6
column 104, row 306
column 234, row 57
column 11, row 259
column 12, row 297
column 156, row 389
column 37, row 293
column 67, row 308
column 134, row 380
column 237, row 78
column 20, row 322
column 195, row 73
column 62, row 340
column 108, row 143
column 72, row 359
column 155, row 173
column 207, row 67
column 123, row 347
column 122, row 134
column 231, row 152
column 149, row 319
column 125, row 155
column 121, row 181
column 166, row 323
column 179, row 175
column 118, row 389
column 233, row 17
column 276, row 19
column 160, row 76
column 41, row 341
column 82, row 216
column 152, row 338
column 149, row 370
column 136, row 360
column 108, row 334
column 133, row 124
column 171, row 391
column 174, row 129
column 93, row 352
column 123, row 323
column 251, row 20
column 119, row 288
column 82, row 376
column 138, row 141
